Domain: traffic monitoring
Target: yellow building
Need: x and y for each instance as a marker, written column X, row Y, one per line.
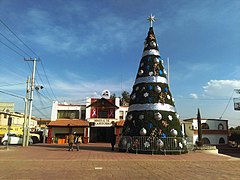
column 17, row 122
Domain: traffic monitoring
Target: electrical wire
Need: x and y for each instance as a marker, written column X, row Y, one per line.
column 14, row 45
column 7, row 84
column 40, row 112
column 12, row 49
column 29, row 56
column 227, row 105
column 18, row 38
column 48, row 80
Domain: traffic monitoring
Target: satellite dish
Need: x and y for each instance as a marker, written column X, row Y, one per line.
column 106, row 94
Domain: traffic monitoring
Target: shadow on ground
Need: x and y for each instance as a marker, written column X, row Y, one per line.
column 229, row 151
column 103, row 147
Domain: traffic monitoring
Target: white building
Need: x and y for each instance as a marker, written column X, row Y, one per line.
column 214, row 131
column 67, row 111
column 93, row 121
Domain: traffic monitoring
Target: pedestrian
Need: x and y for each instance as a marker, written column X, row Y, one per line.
column 78, row 141
column 113, row 141
column 70, row 142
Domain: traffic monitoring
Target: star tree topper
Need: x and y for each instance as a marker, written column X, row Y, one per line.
column 151, row 19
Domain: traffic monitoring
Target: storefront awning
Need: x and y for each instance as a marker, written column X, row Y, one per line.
column 68, row 123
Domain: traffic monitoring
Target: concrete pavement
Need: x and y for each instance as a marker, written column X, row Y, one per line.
column 97, row 161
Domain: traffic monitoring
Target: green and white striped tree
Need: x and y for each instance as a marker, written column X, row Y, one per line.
column 151, row 107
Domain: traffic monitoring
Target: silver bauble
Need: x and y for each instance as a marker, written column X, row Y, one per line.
column 159, row 143
column 156, row 60
column 137, row 88
column 145, row 94
column 173, row 132
column 145, row 43
column 153, row 44
column 129, row 117
column 140, row 72
column 164, row 71
column 141, row 117
column 143, row 132
column 158, row 89
column 157, row 116
column 133, row 96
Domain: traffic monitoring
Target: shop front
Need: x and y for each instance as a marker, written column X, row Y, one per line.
column 59, row 130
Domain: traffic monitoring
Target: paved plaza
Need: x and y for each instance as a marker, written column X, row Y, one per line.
column 97, row 161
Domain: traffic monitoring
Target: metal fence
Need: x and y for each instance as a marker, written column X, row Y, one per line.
column 155, row 145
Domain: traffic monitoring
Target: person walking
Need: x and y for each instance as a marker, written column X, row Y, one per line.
column 113, row 141
column 70, row 142
column 78, row 141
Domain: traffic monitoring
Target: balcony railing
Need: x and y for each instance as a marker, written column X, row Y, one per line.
column 155, row 145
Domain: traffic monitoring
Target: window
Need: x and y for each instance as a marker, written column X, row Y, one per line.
column 221, row 140
column 205, row 126
column 120, row 114
column 68, row 114
column 205, row 140
column 220, row 126
column 103, row 114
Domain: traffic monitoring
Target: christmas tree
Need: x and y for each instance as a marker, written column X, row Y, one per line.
column 151, row 108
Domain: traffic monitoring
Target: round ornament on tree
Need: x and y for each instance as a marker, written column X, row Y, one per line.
column 174, row 132
column 156, row 60
column 153, row 44
column 140, row 72
column 129, row 117
column 157, row 116
column 160, row 143
column 143, row 132
column 158, row 89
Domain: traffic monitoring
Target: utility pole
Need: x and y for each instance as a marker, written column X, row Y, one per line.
column 31, row 97
column 26, row 114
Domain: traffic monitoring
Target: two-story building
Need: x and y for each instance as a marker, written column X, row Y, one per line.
column 214, row 131
column 94, row 121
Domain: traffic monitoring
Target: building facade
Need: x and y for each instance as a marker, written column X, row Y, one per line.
column 95, row 121
column 214, row 131
column 17, row 122
column 103, row 115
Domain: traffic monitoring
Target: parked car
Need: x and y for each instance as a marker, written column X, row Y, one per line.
column 14, row 139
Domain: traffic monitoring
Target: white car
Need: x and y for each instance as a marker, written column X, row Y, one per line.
column 13, row 139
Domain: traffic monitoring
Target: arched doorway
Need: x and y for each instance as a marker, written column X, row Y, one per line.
column 205, row 140
column 221, row 140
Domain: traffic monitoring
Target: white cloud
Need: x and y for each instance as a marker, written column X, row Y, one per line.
column 221, row 88
column 193, row 95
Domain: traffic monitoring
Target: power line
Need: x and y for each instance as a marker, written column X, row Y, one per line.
column 12, row 49
column 29, row 56
column 227, row 105
column 7, row 84
column 42, row 81
column 18, row 38
column 40, row 112
column 15, row 45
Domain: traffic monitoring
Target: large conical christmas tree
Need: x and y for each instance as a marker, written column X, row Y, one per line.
column 151, row 109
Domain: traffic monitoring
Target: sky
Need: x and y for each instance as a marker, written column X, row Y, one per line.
column 85, row 47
